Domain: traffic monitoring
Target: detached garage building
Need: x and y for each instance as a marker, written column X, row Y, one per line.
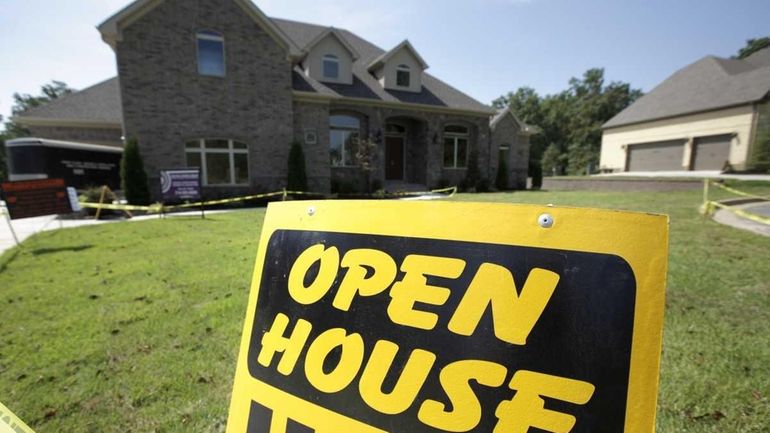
column 712, row 115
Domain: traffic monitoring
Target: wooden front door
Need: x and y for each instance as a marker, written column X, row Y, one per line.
column 394, row 158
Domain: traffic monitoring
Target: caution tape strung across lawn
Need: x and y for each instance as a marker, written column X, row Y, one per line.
column 161, row 208
column 710, row 206
column 735, row 191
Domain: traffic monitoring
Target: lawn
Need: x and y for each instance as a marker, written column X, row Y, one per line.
column 134, row 327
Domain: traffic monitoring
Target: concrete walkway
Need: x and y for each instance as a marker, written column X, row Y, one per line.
column 26, row 227
column 724, row 216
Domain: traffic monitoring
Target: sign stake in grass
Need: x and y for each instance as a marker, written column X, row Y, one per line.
column 444, row 317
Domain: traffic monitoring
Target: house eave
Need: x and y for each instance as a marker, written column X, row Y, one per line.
column 111, row 29
column 68, row 123
column 328, row 99
column 674, row 116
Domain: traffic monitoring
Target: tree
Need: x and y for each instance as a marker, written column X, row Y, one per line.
column 133, row 178
column 296, row 175
column 3, row 168
column 366, row 153
column 23, row 102
column 570, row 121
column 752, row 46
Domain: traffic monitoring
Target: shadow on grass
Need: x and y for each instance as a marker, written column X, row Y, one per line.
column 41, row 251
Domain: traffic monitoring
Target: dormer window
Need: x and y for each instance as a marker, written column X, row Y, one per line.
column 402, row 76
column 211, row 53
column 331, row 66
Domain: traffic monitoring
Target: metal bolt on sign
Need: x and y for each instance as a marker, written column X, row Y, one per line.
column 545, row 221
column 311, row 210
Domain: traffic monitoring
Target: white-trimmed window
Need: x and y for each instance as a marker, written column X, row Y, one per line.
column 222, row 162
column 344, row 131
column 403, row 76
column 330, row 65
column 211, row 53
column 455, row 146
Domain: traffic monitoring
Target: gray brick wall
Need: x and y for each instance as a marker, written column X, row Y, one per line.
column 507, row 132
column 105, row 136
column 312, row 117
column 166, row 102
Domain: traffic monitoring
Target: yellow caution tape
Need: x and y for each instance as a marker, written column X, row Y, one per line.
column 740, row 212
column 11, row 423
column 160, row 208
column 735, row 191
column 111, row 206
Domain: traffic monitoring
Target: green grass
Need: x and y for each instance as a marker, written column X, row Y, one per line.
column 135, row 326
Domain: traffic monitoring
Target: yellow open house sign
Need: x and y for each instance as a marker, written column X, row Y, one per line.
column 408, row 317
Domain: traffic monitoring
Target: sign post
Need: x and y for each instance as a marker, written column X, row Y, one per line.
column 181, row 184
column 452, row 317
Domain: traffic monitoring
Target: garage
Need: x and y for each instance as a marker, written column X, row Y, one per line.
column 711, row 153
column 657, row 156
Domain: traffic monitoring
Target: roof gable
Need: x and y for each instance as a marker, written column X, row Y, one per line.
column 508, row 112
column 111, row 29
column 365, row 86
column 333, row 33
column 405, row 45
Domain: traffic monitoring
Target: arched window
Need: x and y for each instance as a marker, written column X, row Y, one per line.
column 455, row 146
column 402, row 76
column 222, row 162
column 331, row 66
column 211, row 53
column 344, row 132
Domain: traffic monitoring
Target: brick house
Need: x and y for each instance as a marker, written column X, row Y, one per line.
column 219, row 85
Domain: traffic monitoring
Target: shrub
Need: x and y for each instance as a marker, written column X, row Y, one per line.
column 133, row 178
column 296, row 176
column 501, row 180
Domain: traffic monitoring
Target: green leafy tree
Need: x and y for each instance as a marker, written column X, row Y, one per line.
column 752, row 46
column 570, row 122
column 365, row 155
column 3, row 166
column 133, row 178
column 296, row 176
column 23, row 102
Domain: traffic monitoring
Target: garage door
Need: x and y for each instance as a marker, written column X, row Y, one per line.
column 658, row 156
column 711, row 153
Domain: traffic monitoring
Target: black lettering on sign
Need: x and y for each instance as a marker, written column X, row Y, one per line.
column 409, row 334
column 265, row 420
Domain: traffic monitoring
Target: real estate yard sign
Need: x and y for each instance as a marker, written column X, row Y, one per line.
column 180, row 184
column 449, row 317
column 31, row 198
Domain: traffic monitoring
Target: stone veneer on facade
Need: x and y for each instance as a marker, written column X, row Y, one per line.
column 166, row 102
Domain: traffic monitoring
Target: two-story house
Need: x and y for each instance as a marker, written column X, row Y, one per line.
column 219, row 85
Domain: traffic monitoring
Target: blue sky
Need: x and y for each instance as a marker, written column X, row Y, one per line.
column 483, row 47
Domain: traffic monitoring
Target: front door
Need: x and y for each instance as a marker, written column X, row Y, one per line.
column 394, row 158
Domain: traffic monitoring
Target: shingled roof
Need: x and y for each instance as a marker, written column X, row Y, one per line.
column 98, row 104
column 708, row 84
column 434, row 91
